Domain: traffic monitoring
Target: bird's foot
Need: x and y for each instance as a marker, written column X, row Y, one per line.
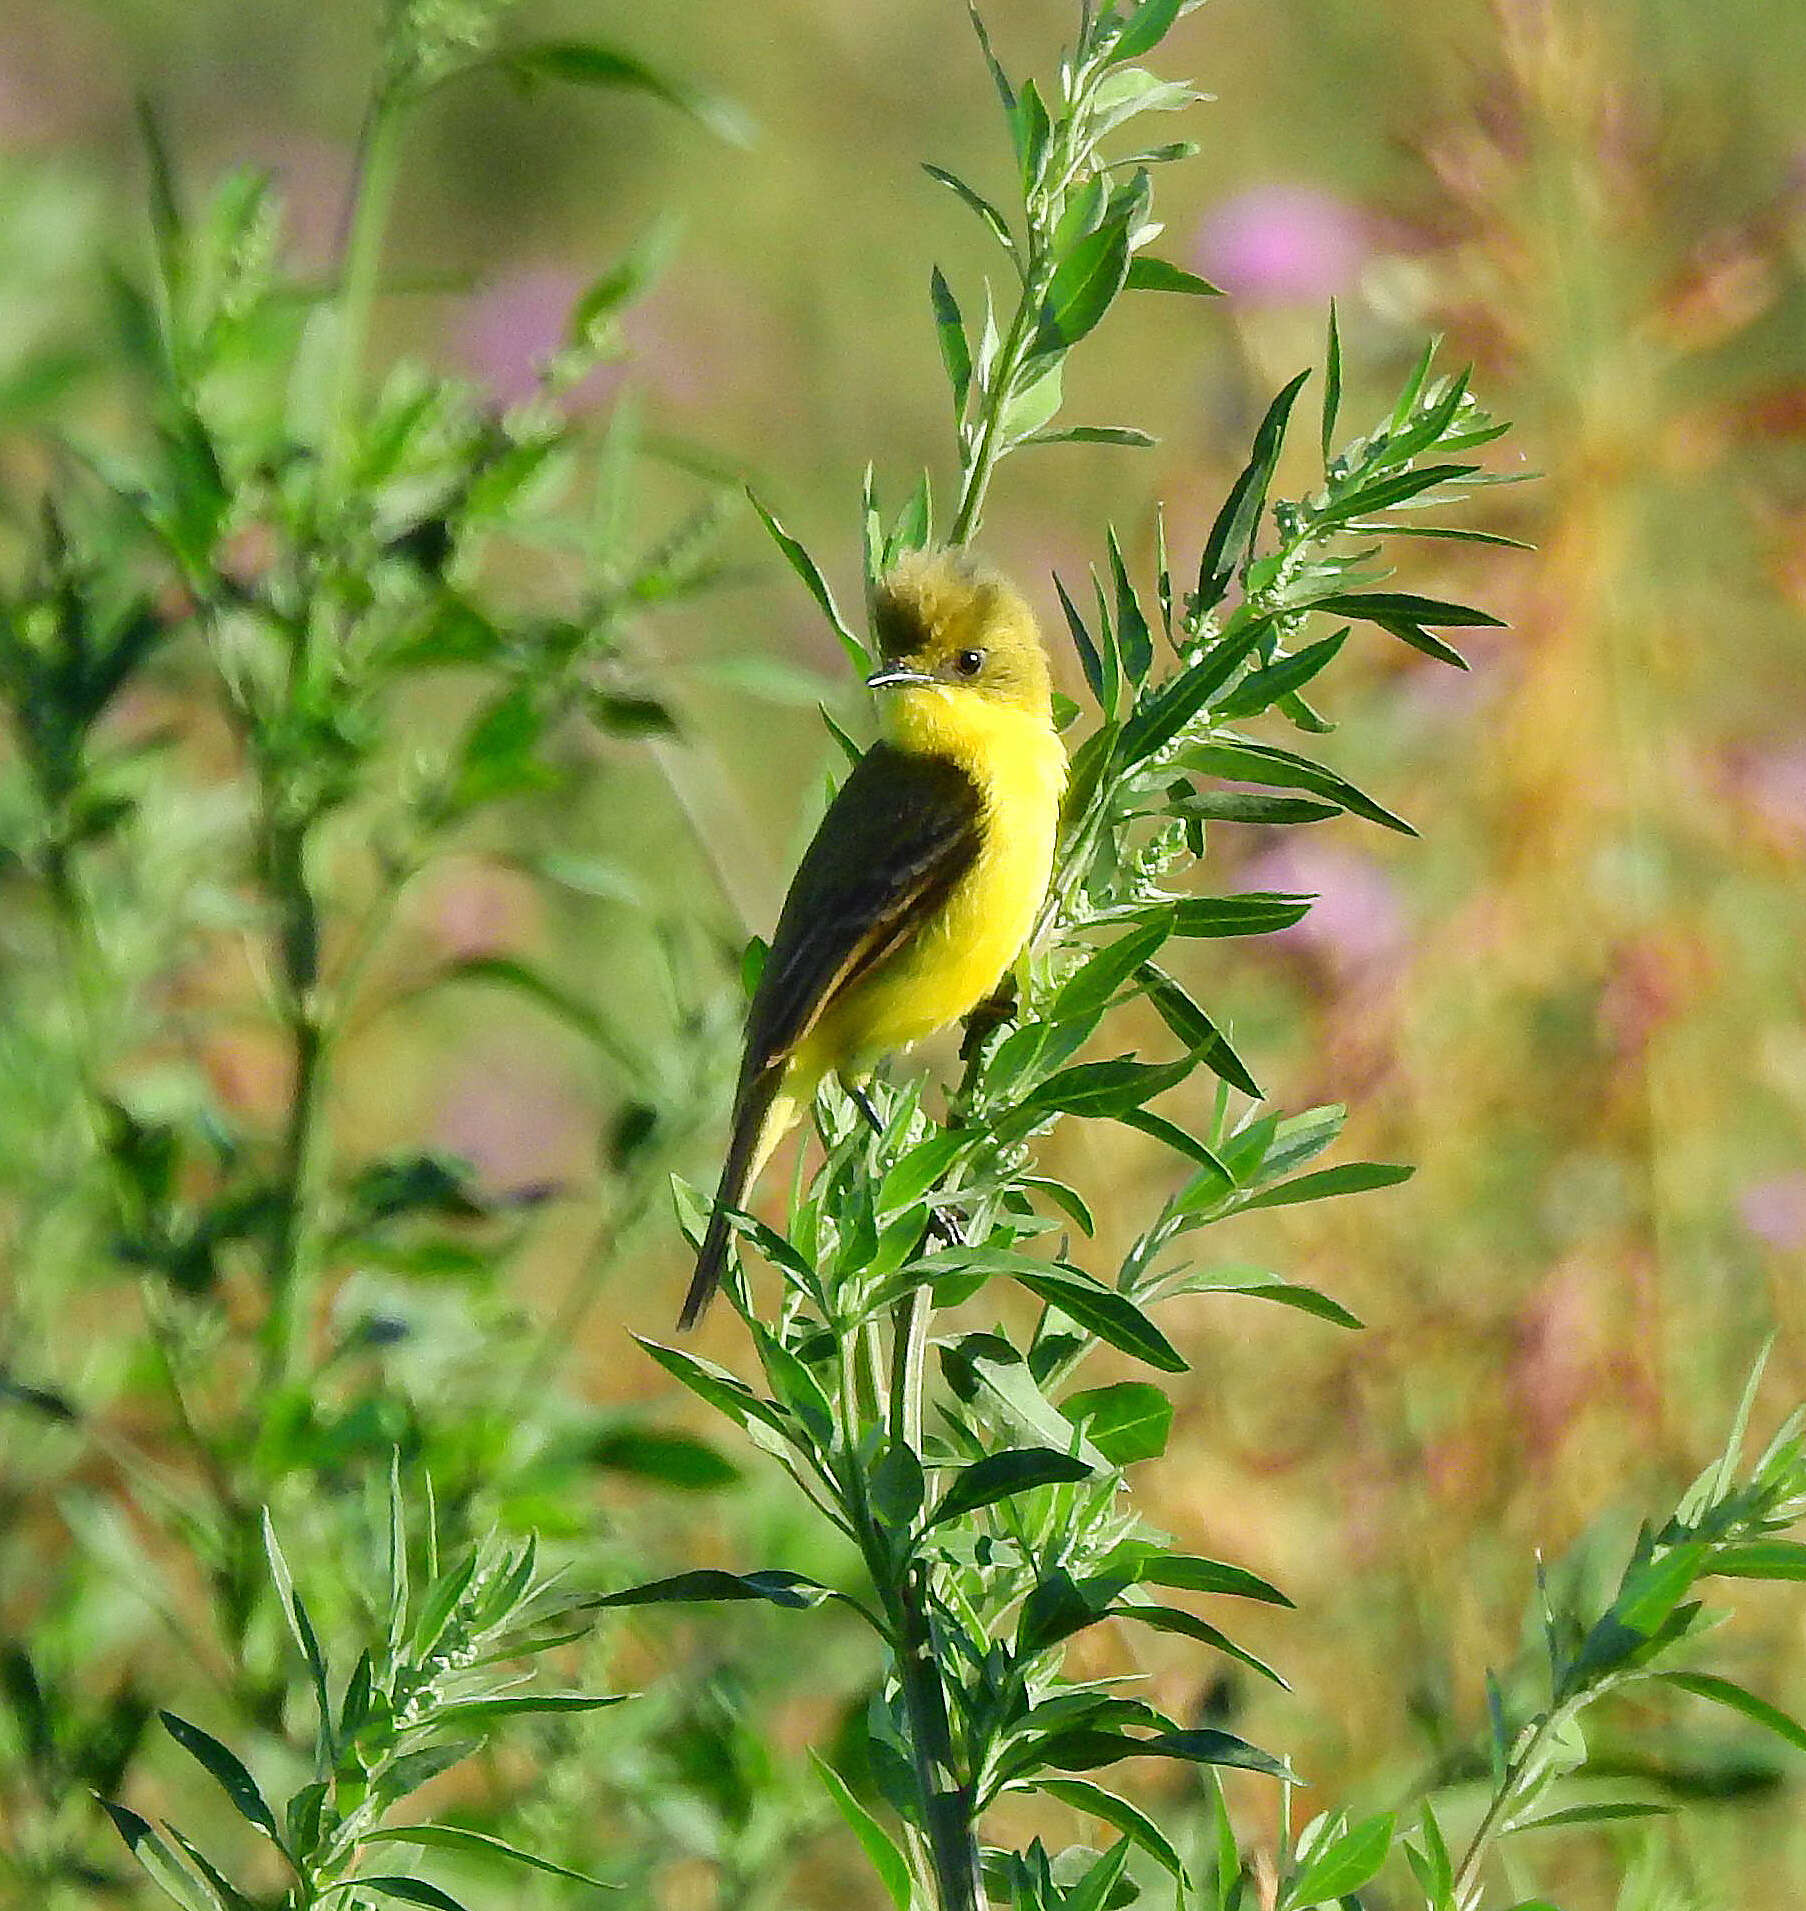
column 866, row 1106
column 990, row 1015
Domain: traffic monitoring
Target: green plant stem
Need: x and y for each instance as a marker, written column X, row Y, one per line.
column 909, row 1355
column 373, row 190
column 946, row 1805
column 988, row 450
column 289, row 1270
column 1466, row 1890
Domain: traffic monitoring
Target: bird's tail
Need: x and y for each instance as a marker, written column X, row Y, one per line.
column 761, row 1116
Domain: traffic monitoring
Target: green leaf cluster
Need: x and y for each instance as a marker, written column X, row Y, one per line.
column 436, row 1676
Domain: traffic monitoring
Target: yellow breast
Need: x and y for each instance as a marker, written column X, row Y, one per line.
column 956, row 959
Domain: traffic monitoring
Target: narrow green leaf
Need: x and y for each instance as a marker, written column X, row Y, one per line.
column 999, row 1475
column 793, row 1384
column 1084, row 284
column 726, row 1392
column 1332, row 383
column 989, row 1363
column 1068, row 1200
column 1654, row 1587
column 1146, row 27
column 1098, row 1090
column 1294, row 1141
column 354, row 1708
column 890, row 1864
column 300, row 1625
column 1196, row 1030
column 1732, row 1455
column 914, row 522
column 998, row 226
column 1104, row 1311
column 997, row 74
column 1094, row 1889
column 806, row 568
column 1084, row 1749
column 478, row 1844
column 1183, row 1572
column 585, row 63
column 950, row 329
column 1116, row 1812
column 165, row 1869
column 1163, row 571
column 1593, row 1815
column 1164, row 712
column 1098, row 664
column 1095, row 984
column 678, row 1460
column 1243, row 806
column 442, row 1597
column 222, row 1887
column 1351, row 1177
column 1760, row 1559
column 1407, row 399
column 227, row 1772
column 1432, row 1866
column 708, row 1585
column 1148, row 274
column 1376, row 606
column 1384, row 493
column 630, row 277
column 1247, row 762
column 1032, row 402
column 1158, row 1128
column 1261, row 688
column 913, row 1174
column 520, row 1705
column 1126, row 435
column 1189, row 1626
column 1133, row 637
column 1128, row 1421
column 414, row 1769
column 406, row 1891
column 1252, row 913
column 1725, row 1692
column 1232, row 535
column 1344, row 1865
column 1264, row 1287
column 1030, row 129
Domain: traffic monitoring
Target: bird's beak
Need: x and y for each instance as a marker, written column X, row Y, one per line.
column 896, row 674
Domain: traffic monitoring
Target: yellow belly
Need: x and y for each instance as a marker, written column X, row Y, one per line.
column 956, row 959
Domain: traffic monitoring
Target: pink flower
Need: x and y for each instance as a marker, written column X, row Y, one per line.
column 1283, row 245
column 1775, row 1211
column 520, row 1127
column 1357, row 921
column 311, row 178
column 510, row 328
column 1773, row 784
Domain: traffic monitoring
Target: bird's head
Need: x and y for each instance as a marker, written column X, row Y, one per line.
column 950, row 627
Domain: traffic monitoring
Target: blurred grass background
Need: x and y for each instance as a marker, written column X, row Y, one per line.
column 1577, row 1003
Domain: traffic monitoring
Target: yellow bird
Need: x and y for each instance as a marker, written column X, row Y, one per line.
column 925, row 876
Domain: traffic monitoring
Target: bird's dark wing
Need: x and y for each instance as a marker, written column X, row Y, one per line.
column 902, row 831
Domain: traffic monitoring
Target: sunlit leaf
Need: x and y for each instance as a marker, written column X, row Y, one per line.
column 477, row 1844
column 890, row 1864
column 227, row 1770
column 998, row 1475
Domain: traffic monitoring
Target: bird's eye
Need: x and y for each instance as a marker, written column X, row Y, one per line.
column 969, row 662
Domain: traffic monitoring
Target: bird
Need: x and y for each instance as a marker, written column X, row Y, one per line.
column 923, row 881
